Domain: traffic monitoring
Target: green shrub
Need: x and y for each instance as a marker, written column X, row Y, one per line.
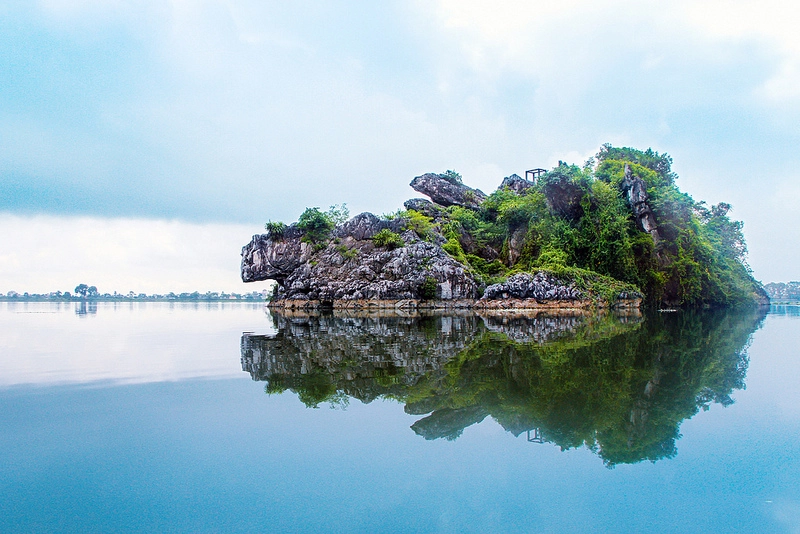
column 316, row 225
column 551, row 257
column 452, row 176
column 275, row 229
column 338, row 214
column 347, row 253
column 661, row 164
column 428, row 288
column 387, row 238
column 421, row 224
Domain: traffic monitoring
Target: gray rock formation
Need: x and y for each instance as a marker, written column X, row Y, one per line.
column 365, row 225
column 636, row 192
column 352, row 269
column 515, row 244
column 449, row 423
column 446, row 191
column 540, row 286
column 425, row 207
column 563, row 196
column 516, row 183
column 268, row 258
column 542, row 328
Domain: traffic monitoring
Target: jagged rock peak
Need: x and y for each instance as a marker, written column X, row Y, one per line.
column 267, row 258
column 636, row 191
column 516, row 183
column 362, row 226
column 446, row 191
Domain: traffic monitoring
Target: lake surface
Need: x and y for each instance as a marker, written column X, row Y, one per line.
column 224, row 417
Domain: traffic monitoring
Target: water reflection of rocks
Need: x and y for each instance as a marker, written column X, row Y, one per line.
column 618, row 384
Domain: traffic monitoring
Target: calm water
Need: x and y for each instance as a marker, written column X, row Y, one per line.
column 221, row 417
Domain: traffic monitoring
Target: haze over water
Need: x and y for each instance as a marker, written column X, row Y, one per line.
column 145, row 417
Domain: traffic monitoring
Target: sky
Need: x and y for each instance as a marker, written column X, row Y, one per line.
column 143, row 143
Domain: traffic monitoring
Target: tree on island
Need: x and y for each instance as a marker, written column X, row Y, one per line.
column 86, row 291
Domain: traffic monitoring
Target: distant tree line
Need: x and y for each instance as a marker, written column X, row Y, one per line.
column 783, row 291
column 84, row 292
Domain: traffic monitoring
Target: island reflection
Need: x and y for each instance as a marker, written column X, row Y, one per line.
column 620, row 385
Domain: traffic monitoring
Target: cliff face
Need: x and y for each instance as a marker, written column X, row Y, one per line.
column 352, row 271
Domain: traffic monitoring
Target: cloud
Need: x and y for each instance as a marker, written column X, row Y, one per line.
column 243, row 111
column 47, row 253
column 772, row 23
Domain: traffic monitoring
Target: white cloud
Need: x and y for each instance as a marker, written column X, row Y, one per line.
column 45, row 253
column 769, row 23
column 247, row 111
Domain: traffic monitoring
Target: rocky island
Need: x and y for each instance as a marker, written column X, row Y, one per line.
column 614, row 233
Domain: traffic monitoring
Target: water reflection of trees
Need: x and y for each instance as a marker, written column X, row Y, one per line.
column 86, row 308
column 619, row 385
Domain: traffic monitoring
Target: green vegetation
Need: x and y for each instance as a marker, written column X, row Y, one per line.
column 347, row 253
column 275, row 229
column 452, row 176
column 421, row 224
column 387, row 238
column 86, row 291
column 318, row 225
column 429, row 288
column 338, row 213
column 575, row 221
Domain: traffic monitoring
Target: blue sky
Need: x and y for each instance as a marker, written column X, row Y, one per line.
column 224, row 114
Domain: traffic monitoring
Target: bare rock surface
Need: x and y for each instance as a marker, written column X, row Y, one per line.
column 425, row 207
column 540, row 286
column 350, row 267
column 516, row 183
column 636, row 192
column 266, row 258
column 446, row 191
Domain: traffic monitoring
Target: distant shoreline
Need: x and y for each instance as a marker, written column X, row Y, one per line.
column 125, row 298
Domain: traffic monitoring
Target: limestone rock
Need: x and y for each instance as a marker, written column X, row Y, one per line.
column 563, row 196
column 515, row 244
column 516, row 183
column 425, row 207
column 636, row 191
column 350, row 267
column 446, row 191
column 268, row 258
column 449, row 423
column 540, row 286
column 363, row 226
